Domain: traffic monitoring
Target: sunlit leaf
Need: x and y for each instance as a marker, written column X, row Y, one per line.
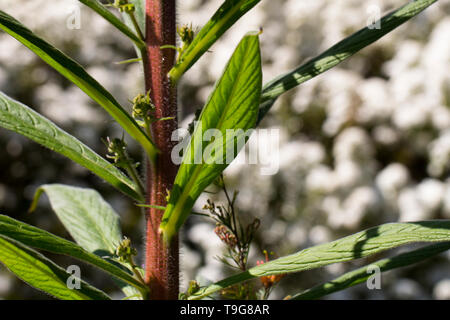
column 76, row 74
column 43, row 240
column 357, row 276
column 359, row 245
column 43, row 274
column 23, row 120
column 232, row 105
column 338, row 53
column 90, row 220
column 228, row 13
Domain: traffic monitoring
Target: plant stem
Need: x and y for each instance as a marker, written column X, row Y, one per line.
column 161, row 261
column 136, row 25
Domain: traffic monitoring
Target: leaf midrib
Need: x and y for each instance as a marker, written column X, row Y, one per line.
column 198, row 168
column 92, row 162
column 92, row 220
column 32, row 261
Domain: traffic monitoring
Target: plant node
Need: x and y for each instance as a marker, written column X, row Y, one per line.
column 186, row 34
column 125, row 251
column 143, row 111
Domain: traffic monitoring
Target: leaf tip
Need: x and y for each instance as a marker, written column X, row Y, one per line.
column 35, row 200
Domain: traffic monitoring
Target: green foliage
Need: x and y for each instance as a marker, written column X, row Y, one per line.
column 357, row 276
column 359, row 245
column 338, row 53
column 228, row 13
column 238, row 102
column 116, row 22
column 43, row 240
column 232, row 105
column 75, row 73
column 22, row 119
column 41, row 273
column 89, row 219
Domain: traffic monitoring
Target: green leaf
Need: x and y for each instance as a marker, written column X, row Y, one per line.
column 131, row 293
column 43, row 274
column 338, row 53
column 357, row 276
column 232, row 105
column 21, row 119
column 228, row 13
column 359, row 245
column 89, row 219
column 75, row 73
column 115, row 21
column 43, row 240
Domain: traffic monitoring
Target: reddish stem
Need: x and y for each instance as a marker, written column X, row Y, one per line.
column 161, row 261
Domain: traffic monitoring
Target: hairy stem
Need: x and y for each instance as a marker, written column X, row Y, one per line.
column 161, row 261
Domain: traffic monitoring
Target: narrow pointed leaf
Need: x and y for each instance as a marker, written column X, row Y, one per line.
column 91, row 221
column 43, row 240
column 359, row 245
column 338, row 53
column 228, row 13
column 23, row 120
column 115, row 21
column 43, row 274
column 76, row 74
column 232, row 105
column 357, row 276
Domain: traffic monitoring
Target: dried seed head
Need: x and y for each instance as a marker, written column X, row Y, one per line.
column 226, row 235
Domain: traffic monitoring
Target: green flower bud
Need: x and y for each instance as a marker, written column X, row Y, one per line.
column 186, row 34
column 142, row 106
column 124, row 251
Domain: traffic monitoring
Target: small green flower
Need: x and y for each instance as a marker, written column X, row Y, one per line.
column 116, row 151
column 143, row 111
column 143, row 106
column 124, row 251
column 186, row 34
column 123, row 6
